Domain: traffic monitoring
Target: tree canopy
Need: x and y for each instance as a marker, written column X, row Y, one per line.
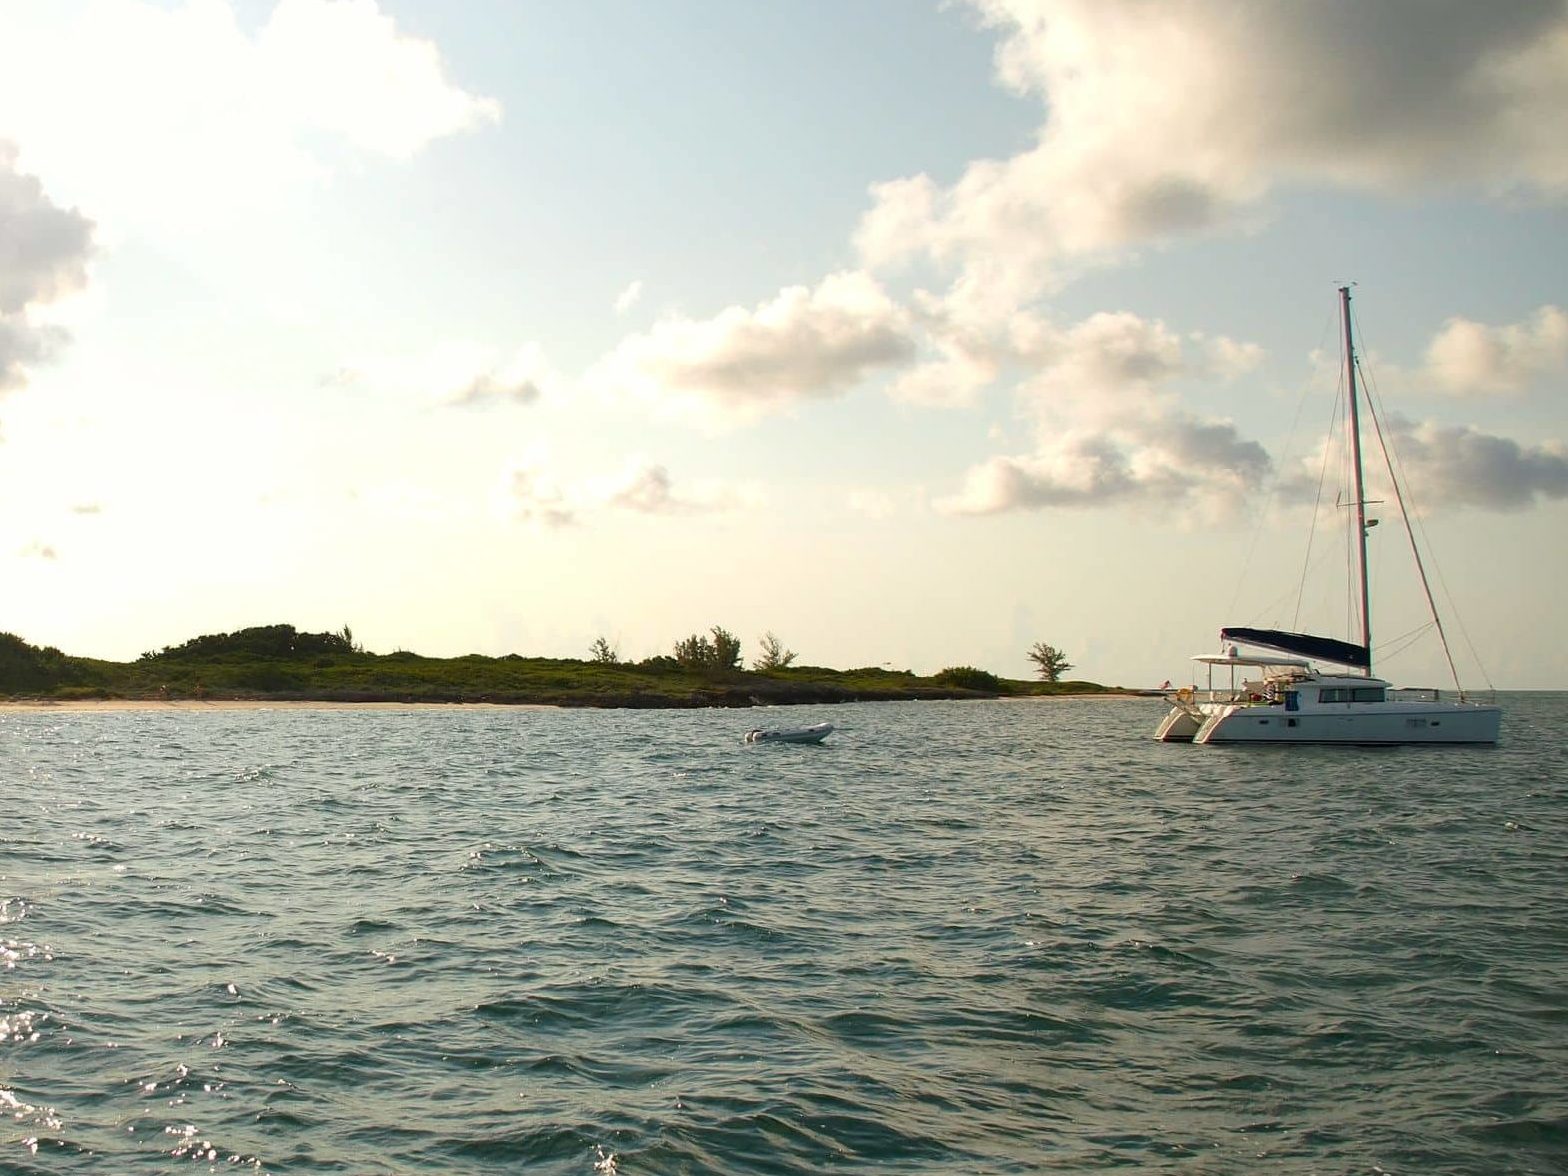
column 1050, row 663
column 774, row 656
column 718, row 653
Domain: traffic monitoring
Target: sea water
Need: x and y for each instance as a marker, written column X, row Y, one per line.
column 955, row 938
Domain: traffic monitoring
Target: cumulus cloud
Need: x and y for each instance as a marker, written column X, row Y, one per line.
column 1108, row 428
column 646, row 487
column 807, row 343
column 641, row 486
column 647, row 490
column 44, row 247
column 175, row 114
column 487, row 388
column 24, row 345
column 952, row 379
column 1462, row 466
column 962, row 355
column 1470, row 357
column 453, row 374
column 343, row 67
column 969, row 348
column 1175, row 118
column 532, row 495
column 43, row 257
column 522, row 380
column 1175, row 457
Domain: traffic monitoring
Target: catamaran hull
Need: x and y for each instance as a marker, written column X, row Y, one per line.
column 1179, row 726
column 1413, row 725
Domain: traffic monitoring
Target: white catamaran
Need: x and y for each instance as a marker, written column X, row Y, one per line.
column 1271, row 699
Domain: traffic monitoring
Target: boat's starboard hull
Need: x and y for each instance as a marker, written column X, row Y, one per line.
column 1395, row 725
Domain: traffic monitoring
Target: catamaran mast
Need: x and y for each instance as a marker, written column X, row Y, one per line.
column 1354, row 425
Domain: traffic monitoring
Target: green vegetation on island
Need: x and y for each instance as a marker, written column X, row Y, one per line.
column 278, row 662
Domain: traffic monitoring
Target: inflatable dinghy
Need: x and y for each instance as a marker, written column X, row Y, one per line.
column 790, row 734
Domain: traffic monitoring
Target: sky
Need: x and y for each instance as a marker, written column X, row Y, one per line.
column 913, row 333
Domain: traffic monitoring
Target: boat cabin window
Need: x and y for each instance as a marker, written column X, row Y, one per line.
column 1351, row 694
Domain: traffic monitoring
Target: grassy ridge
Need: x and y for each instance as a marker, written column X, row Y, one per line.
column 281, row 663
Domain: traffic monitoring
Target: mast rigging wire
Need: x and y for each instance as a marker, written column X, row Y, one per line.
column 1404, row 514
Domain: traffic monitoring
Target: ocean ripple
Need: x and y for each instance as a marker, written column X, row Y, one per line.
column 957, row 938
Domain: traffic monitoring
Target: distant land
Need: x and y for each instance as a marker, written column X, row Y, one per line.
column 280, row 663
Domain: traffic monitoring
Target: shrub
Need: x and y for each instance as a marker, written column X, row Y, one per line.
column 719, row 653
column 264, row 641
column 969, row 678
column 74, row 693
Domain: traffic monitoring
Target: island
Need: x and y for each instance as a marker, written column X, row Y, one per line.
column 279, row 663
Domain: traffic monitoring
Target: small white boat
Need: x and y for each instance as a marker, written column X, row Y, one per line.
column 814, row 734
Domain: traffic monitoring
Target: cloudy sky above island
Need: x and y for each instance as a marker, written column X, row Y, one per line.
column 914, row 333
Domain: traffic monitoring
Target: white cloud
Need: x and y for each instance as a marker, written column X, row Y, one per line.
column 1101, row 364
column 1177, row 458
column 964, row 355
column 1107, row 427
column 342, row 67
column 1228, row 358
column 647, row 490
column 532, row 495
column 24, row 345
column 488, row 388
column 174, row 116
column 628, row 297
column 43, row 257
column 1471, row 357
column 742, row 364
column 971, row 347
column 522, row 380
column 952, row 380
column 1174, row 118
column 646, row 487
column 455, row 373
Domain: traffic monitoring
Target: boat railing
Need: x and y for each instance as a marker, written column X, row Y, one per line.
column 1426, row 694
column 1192, row 695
